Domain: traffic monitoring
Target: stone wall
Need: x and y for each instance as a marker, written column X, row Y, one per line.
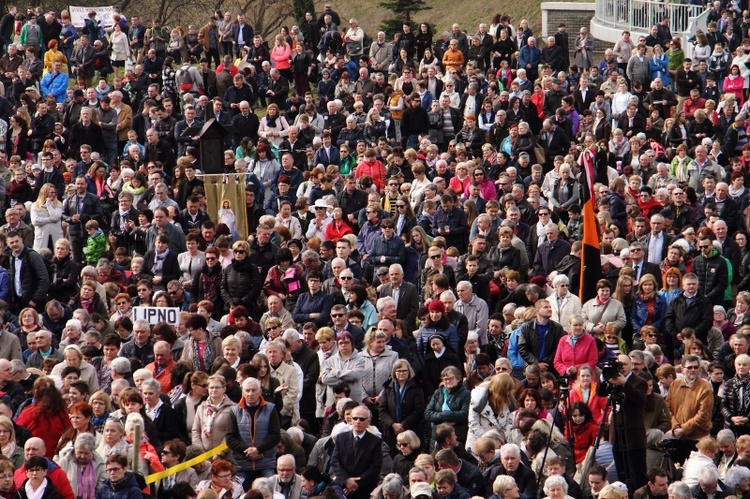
column 574, row 15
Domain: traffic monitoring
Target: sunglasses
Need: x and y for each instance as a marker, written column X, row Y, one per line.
column 239, row 251
column 358, row 418
column 337, row 315
column 399, row 206
column 346, row 278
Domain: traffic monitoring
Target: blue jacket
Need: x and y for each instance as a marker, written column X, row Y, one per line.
column 392, row 249
column 128, row 489
column 529, row 55
column 639, row 313
column 513, row 355
column 4, row 285
column 55, row 85
column 307, row 304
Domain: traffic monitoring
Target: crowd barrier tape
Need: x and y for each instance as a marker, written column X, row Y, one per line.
column 187, row 464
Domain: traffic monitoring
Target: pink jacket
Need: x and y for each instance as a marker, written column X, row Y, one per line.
column 487, row 191
column 281, row 56
column 734, row 85
column 583, row 353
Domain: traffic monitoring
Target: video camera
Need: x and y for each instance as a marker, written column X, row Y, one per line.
column 612, row 368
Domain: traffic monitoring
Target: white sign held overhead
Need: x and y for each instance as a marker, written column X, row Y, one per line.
column 103, row 14
column 155, row 315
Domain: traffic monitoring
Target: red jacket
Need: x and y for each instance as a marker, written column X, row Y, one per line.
column 583, row 353
column 164, row 377
column 585, row 435
column 374, row 169
column 596, row 403
column 48, row 429
column 334, row 233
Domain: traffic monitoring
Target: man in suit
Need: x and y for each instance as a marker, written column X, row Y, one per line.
column 357, row 457
column 641, row 265
column 584, row 96
column 629, row 418
column 656, row 243
column 631, row 122
column 551, row 251
column 123, row 223
column 184, row 141
column 79, row 208
column 404, row 293
column 278, row 90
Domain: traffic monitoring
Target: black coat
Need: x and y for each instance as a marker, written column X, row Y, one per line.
column 365, row 462
column 170, row 268
column 242, row 280
column 412, row 412
column 529, row 343
column 64, row 282
column 698, row 315
column 34, row 279
column 180, row 412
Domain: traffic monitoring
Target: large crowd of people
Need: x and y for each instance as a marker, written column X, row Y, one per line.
column 397, row 313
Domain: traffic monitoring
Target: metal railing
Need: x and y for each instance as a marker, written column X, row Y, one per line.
column 640, row 15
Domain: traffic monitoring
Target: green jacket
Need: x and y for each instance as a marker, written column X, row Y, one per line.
column 95, row 246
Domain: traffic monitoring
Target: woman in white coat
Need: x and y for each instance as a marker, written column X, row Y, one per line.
column 46, row 217
column 491, row 408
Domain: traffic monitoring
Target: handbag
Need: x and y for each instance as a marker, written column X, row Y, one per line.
column 539, row 153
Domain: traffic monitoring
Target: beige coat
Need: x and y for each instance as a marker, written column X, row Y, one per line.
column 286, row 374
column 221, row 423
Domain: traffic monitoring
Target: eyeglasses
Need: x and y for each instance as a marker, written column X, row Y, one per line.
column 229, row 475
column 359, row 418
column 650, row 336
column 239, row 251
column 122, row 303
column 210, row 259
column 690, row 368
column 109, row 470
column 635, row 250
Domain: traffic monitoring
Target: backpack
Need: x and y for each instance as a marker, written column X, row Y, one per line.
column 187, row 80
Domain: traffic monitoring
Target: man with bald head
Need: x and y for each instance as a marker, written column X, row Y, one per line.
column 630, row 418
column 35, row 448
column 162, row 365
column 404, row 294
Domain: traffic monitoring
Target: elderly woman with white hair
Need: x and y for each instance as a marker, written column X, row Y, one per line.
column 679, row 490
column 84, row 468
column 161, row 413
column 392, row 487
column 737, row 479
column 565, row 304
column 74, row 357
column 556, row 487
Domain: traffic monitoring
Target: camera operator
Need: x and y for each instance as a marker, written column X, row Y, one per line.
column 630, row 393
column 691, row 402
